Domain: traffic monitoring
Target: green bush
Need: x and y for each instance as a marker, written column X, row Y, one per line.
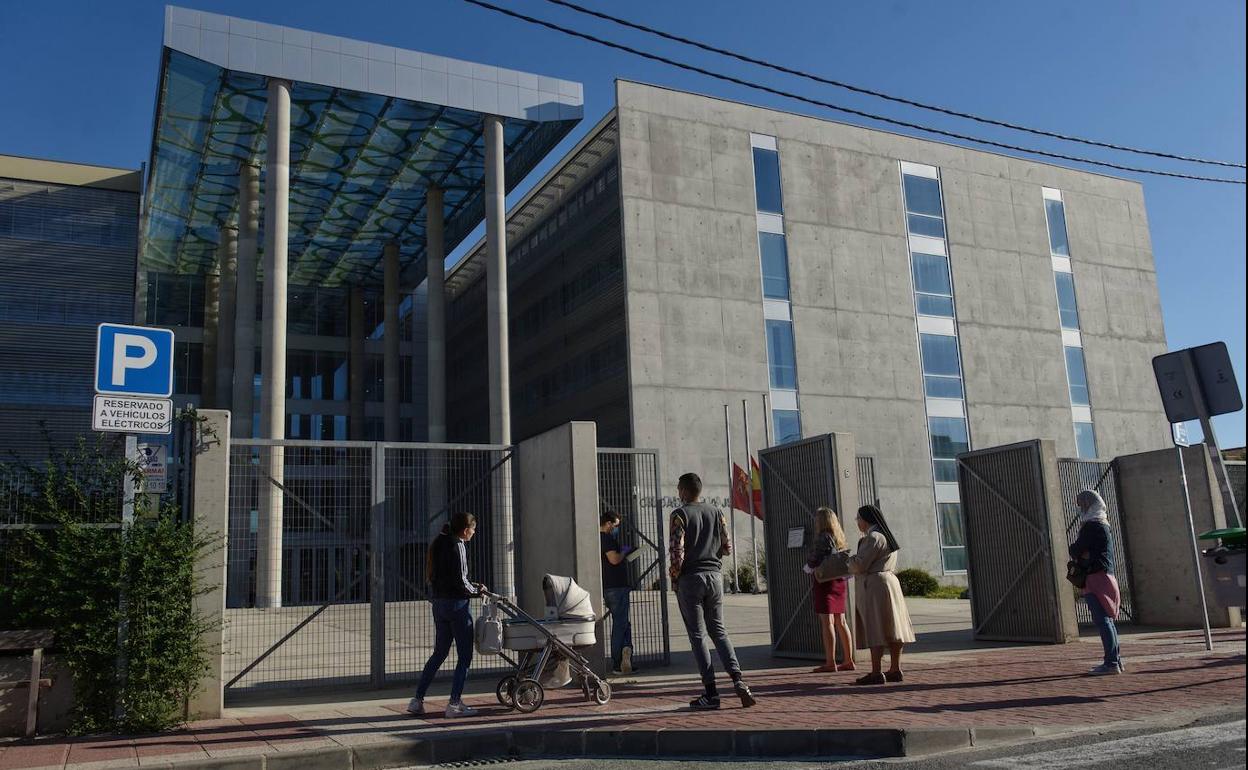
column 917, row 582
column 746, row 583
column 947, row 592
column 86, row 583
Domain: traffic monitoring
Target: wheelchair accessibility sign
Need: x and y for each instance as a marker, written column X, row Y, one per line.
column 133, row 379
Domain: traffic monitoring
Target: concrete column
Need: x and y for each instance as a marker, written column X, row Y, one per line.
column 273, row 344
column 390, row 353
column 496, row 282
column 245, row 302
column 212, row 511
column 356, row 362
column 502, row 522
column 208, row 352
column 224, row 374
column 435, row 329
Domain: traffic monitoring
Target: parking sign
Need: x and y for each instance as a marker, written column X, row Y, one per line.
column 134, row 361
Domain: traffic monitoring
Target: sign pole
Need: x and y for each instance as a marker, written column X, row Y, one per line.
column 1191, row 530
column 732, row 484
column 749, row 473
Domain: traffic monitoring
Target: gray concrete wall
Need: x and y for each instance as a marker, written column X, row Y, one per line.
column 695, row 315
column 1158, row 544
column 557, row 516
column 212, row 510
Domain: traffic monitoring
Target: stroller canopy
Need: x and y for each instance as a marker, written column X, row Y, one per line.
column 570, row 601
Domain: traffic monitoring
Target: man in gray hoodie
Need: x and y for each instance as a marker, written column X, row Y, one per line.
column 699, row 539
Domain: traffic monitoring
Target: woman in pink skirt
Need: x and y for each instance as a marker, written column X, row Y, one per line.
column 829, row 596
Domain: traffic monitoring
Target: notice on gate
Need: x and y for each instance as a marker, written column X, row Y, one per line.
column 124, row 414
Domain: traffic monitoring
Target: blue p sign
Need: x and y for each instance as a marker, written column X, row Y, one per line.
column 134, row 360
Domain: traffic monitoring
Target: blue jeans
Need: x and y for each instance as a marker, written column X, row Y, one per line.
column 621, row 629
column 1109, row 632
column 453, row 623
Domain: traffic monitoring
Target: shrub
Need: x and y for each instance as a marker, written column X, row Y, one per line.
column 85, row 582
column 917, row 582
column 746, row 583
column 947, row 592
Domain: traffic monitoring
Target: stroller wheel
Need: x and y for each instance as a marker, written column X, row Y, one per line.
column 529, row 696
column 506, row 691
column 602, row 693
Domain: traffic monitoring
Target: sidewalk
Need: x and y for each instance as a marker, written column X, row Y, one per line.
column 1020, row 687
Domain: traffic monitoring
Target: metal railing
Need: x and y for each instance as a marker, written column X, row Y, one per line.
column 1101, row 476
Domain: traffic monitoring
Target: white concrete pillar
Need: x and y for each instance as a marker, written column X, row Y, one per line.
column 390, row 351
column 245, row 302
column 496, row 282
column 356, row 362
column 503, row 537
column 273, row 344
column 211, row 523
column 435, row 326
column 208, row 350
column 228, row 268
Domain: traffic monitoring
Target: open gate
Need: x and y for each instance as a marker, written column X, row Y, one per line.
column 356, row 521
column 1101, row 476
column 797, row 478
column 1016, row 544
column 628, row 483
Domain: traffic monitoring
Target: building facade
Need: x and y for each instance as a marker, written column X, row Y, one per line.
column 927, row 298
column 68, row 254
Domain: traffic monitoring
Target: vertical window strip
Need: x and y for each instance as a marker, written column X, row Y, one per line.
column 774, row 270
column 1068, row 319
column 940, row 355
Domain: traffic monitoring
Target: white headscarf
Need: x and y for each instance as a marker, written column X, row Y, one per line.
column 1096, row 510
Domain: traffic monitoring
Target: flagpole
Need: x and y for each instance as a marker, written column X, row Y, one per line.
column 732, row 515
column 745, row 413
column 766, row 424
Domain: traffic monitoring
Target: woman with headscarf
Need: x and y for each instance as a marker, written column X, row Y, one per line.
column 1093, row 551
column 881, row 618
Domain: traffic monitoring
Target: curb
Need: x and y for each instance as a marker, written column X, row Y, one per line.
column 611, row 742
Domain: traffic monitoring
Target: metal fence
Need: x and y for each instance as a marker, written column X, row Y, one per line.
column 1101, row 476
column 327, row 549
column 628, row 483
column 868, row 490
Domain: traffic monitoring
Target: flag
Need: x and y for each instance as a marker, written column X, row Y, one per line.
column 756, row 478
column 740, row 488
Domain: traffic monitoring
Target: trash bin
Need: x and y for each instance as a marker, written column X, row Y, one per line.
column 1225, row 565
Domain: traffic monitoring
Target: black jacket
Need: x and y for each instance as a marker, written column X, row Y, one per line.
column 448, row 570
column 1094, row 537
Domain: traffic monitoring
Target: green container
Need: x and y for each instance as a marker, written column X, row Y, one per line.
column 1232, row 537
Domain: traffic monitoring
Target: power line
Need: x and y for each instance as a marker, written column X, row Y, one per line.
column 839, row 108
column 881, row 94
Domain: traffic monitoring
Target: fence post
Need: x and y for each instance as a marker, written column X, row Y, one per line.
column 211, row 493
column 376, row 570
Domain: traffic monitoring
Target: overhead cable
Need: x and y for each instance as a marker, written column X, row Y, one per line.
column 883, row 95
column 840, row 108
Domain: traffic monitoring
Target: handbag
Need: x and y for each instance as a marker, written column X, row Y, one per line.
column 1077, row 574
column 834, row 565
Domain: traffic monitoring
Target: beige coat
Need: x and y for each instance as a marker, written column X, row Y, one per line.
column 880, row 615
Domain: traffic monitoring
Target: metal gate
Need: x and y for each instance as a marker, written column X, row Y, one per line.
column 1013, row 539
column 628, row 483
column 868, row 490
column 356, row 519
column 797, row 478
column 1101, row 476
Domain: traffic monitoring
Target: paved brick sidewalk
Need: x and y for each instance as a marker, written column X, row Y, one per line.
column 1031, row 686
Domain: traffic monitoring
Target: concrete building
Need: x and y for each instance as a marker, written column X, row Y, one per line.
column 692, row 252
column 68, row 250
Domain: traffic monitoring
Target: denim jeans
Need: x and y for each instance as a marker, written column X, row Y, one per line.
column 617, row 602
column 453, row 624
column 701, row 600
column 1109, row 632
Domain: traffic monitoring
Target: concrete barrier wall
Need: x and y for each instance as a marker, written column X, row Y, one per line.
column 212, row 510
column 557, row 516
column 1158, row 545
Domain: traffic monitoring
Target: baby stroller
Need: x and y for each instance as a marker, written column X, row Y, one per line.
column 547, row 648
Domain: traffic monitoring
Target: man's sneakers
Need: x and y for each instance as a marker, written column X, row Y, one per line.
column 416, row 707
column 705, row 702
column 459, row 709
column 626, row 660
column 743, row 692
column 1107, row 669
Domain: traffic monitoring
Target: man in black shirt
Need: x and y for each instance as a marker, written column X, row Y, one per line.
column 615, row 590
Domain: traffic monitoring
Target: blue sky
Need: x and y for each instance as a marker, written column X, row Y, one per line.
column 78, row 80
